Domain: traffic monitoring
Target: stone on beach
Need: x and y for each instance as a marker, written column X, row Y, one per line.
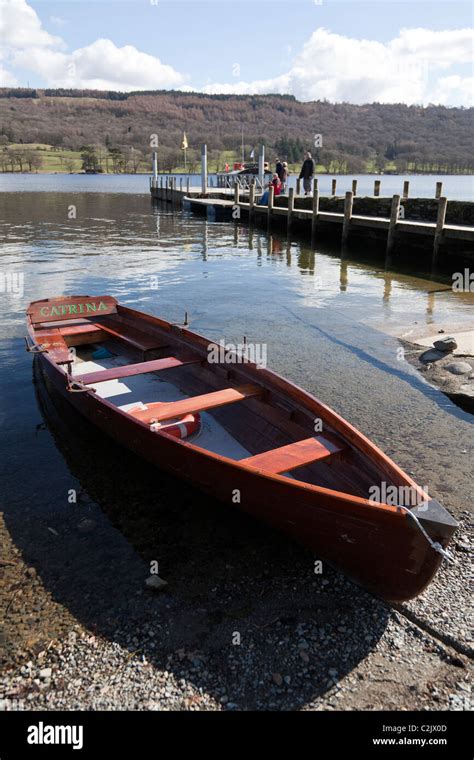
column 86, row 525
column 447, row 344
column 458, row 368
column 155, row 583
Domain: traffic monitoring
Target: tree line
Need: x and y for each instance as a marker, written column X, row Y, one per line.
column 354, row 138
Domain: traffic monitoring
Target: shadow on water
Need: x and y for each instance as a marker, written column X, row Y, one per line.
column 227, row 574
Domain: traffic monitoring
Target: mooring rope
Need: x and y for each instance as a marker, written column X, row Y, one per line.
column 434, row 544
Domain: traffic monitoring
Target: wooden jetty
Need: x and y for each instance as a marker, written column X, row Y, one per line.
column 393, row 228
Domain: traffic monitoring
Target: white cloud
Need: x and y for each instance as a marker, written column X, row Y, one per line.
column 7, row 79
column 20, row 26
column 341, row 68
column 100, row 65
column 414, row 67
column 454, row 89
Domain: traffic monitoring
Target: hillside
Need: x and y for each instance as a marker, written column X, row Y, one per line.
column 355, row 138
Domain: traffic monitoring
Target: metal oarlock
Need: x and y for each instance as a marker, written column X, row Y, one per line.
column 186, row 322
column 76, row 386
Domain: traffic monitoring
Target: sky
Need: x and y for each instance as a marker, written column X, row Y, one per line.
column 353, row 51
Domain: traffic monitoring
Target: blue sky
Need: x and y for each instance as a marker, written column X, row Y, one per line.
column 355, row 51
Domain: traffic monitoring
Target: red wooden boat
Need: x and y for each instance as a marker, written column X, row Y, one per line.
column 245, row 435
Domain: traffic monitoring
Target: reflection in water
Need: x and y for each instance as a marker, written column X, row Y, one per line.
column 387, row 291
column 119, row 243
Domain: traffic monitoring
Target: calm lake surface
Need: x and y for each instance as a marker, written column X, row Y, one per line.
column 421, row 186
column 327, row 322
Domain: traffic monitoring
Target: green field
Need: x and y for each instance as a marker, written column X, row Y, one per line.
column 63, row 160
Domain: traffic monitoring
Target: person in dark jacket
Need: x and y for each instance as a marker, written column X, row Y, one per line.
column 307, row 172
column 278, row 167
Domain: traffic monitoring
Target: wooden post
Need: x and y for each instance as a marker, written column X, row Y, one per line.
column 314, row 218
column 439, row 189
column 271, row 191
column 236, row 193
column 180, row 184
column 440, row 220
column 395, row 211
column 298, row 186
column 187, row 187
column 204, row 169
column 161, row 183
column 251, row 198
column 406, row 187
column 333, row 187
column 291, row 205
column 354, row 187
column 376, row 188
column 348, row 203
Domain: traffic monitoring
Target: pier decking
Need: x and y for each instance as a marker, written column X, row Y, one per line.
column 232, row 204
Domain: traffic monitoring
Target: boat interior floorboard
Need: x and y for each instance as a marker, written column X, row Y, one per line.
column 244, row 428
column 139, row 390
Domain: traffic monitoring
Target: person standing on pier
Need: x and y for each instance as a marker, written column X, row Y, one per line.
column 307, row 172
column 278, row 167
column 284, row 176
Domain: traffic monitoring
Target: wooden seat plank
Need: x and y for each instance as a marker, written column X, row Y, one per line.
column 136, row 338
column 293, row 455
column 70, row 330
column 54, row 342
column 157, row 412
column 141, row 368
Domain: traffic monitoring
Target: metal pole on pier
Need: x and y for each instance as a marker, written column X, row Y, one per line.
column 261, row 164
column 204, row 169
column 155, row 169
column 376, row 188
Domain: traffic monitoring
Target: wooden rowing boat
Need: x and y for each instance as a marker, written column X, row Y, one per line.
column 255, row 440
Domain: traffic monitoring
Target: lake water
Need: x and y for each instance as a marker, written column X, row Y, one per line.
column 327, row 322
column 421, row 186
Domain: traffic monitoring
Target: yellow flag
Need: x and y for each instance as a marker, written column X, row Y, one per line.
column 184, row 144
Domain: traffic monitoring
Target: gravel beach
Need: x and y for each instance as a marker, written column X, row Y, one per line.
column 253, row 639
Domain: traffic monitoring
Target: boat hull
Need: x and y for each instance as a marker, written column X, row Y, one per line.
column 382, row 550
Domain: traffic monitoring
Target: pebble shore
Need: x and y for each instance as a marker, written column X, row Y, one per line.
column 330, row 647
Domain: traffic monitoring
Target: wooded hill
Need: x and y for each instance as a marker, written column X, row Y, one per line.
column 355, row 138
